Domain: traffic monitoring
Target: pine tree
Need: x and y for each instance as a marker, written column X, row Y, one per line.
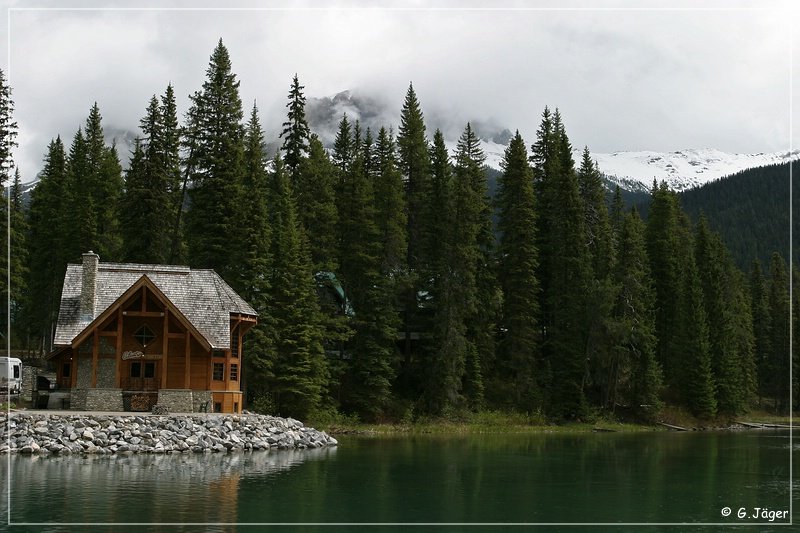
column 520, row 355
column 370, row 371
column 470, row 165
column 295, row 131
column 48, row 218
column 297, row 374
column 414, row 164
column 254, row 269
column 8, row 134
column 390, row 205
column 662, row 252
column 147, row 195
column 8, row 130
column 776, row 366
column 453, row 287
column 730, row 336
column 169, row 143
column 565, row 267
column 18, row 290
column 634, row 375
column 695, row 374
column 216, row 148
column 343, row 149
column 447, row 344
column 316, row 192
column 762, row 334
column 602, row 291
column 102, row 184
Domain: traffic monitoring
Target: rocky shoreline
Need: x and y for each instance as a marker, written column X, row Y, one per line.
column 105, row 434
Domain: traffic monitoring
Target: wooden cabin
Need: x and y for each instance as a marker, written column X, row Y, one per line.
column 130, row 336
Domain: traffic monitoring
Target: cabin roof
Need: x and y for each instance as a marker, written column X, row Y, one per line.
column 202, row 296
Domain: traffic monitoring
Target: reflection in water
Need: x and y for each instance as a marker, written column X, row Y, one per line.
column 199, row 488
column 589, row 478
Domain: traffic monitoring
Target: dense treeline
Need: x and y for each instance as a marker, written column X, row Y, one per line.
column 390, row 283
column 750, row 209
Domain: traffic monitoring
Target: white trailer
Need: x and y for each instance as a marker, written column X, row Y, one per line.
column 10, row 375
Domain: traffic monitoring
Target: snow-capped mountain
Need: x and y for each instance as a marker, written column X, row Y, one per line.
column 681, row 170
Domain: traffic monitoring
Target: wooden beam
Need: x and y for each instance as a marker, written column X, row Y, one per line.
column 119, row 348
column 155, row 314
column 175, row 335
column 210, row 369
column 144, row 298
column 187, row 361
column 95, row 352
column 74, row 368
column 165, row 351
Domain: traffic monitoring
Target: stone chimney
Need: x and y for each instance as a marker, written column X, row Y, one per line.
column 89, row 286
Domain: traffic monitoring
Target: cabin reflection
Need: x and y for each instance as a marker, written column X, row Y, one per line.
column 153, row 489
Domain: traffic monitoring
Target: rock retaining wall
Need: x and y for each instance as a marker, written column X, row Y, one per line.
column 176, row 400
column 42, row 434
column 96, row 400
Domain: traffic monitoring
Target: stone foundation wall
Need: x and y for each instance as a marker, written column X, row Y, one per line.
column 200, row 397
column 96, row 400
column 77, row 401
column 176, row 400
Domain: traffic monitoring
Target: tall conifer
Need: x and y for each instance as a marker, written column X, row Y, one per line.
column 295, row 131
column 519, row 358
column 565, row 268
column 216, row 149
column 414, row 165
column 297, row 375
column 634, row 374
column 48, row 219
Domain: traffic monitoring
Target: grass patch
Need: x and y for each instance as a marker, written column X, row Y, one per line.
column 481, row 422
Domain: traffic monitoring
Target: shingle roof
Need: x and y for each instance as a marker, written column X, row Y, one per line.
column 201, row 295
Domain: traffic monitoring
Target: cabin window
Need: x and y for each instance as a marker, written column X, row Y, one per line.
column 234, row 372
column 66, row 370
column 217, row 407
column 146, row 369
column 219, row 371
column 235, row 342
column 144, row 335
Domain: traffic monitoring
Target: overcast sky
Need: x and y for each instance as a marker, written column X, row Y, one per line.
column 663, row 79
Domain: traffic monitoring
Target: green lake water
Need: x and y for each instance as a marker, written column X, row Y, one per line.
column 558, row 479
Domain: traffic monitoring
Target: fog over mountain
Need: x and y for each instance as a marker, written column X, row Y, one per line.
column 631, row 170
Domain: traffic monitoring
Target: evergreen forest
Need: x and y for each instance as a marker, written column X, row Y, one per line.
column 391, row 285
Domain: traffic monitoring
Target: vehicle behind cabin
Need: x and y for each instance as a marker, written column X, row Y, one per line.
column 10, row 375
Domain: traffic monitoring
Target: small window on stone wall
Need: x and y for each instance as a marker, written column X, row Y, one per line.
column 219, row 371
